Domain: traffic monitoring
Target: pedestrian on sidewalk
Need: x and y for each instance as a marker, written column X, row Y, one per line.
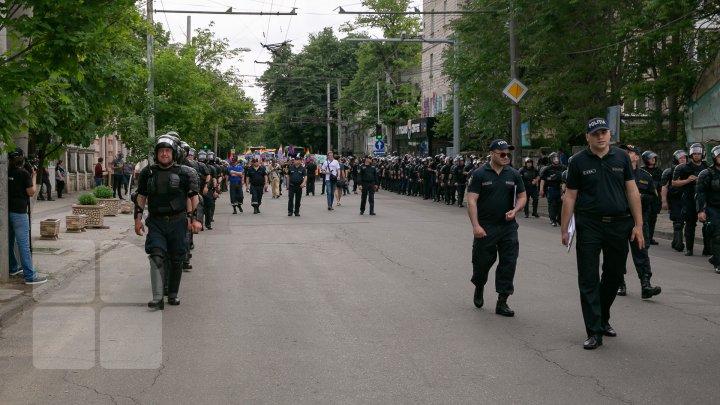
column 128, row 169
column 495, row 195
column 46, row 185
column 21, row 186
column 602, row 195
column 295, row 182
column 99, row 172
column 59, row 178
column 118, row 178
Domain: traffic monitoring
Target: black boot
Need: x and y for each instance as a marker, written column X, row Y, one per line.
column 234, row 209
column 502, row 308
column 622, row 289
column 174, row 282
column 677, row 242
column 648, row 291
column 534, row 208
column 240, row 207
column 478, row 297
column 255, row 209
column 689, row 242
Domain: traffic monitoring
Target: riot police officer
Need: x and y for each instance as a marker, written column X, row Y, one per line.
column 672, row 200
column 368, row 177
column 550, row 180
column 684, row 177
column 170, row 192
column 531, row 177
column 650, row 165
column 707, row 199
column 648, row 198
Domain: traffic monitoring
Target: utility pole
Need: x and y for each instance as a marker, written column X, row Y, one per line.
column 215, row 144
column 339, row 118
column 189, row 30
column 151, row 69
column 377, row 87
column 456, row 105
column 516, row 139
column 329, row 141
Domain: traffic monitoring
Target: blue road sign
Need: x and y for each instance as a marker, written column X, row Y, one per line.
column 379, row 145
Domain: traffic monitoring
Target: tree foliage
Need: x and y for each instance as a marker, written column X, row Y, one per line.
column 577, row 58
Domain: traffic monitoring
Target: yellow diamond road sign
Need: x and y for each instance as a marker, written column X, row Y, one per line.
column 515, row 90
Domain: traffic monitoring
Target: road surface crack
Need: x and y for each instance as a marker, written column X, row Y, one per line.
column 112, row 398
column 602, row 388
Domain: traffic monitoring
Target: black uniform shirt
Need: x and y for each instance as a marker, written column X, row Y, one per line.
column 708, row 189
column 310, row 168
column 646, row 186
column 600, row 182
column 528, row 175
column 256, row 176
column 367, row 174
column 552, row 175
column 683, row 172
column 296, row 174
column 673, row 193
column 496, row 192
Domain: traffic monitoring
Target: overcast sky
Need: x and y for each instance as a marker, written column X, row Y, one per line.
column 250, row 31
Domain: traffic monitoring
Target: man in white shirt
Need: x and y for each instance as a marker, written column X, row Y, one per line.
column 331, row 169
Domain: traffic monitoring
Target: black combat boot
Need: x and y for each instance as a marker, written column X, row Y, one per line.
column 240, row 207
column 234, row 209
column 174, row 282
column 478, row 297
column 502, row 308
column 622, row 289
column 677, row 242
column 648, row 291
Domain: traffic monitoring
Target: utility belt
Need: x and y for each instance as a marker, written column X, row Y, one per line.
column 166, row 218
column 608, row 219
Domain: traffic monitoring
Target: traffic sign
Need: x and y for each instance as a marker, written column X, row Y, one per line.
column 378, row 153
column 515, row 90
column 379, row 145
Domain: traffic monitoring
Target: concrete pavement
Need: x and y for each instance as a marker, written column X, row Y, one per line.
column 333, row 307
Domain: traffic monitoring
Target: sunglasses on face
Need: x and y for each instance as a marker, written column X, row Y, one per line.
column 504, row 155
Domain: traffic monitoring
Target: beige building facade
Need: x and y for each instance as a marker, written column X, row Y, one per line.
column 436, row 88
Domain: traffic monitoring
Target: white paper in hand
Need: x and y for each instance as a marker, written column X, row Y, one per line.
column 571, row 232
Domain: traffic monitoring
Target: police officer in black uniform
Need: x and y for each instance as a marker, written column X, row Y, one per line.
column 171, row 194
column 550, row 180
column 295, row 182
column 650, row 165
column 256, row 181
column 648, row 198
column 495, row 195
column 707, row 200
column 672, row 200
column 531, row 178
column 602, row 194
column 368, row 176
column 684, row 177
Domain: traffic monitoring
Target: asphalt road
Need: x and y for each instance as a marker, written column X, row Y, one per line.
column 334, row 307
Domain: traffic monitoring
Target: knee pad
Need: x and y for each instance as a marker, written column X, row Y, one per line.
column 157, row 257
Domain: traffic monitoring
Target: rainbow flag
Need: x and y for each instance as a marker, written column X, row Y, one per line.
column 280, row 154
column 248, row 152
column 231, row 156
column 307, row 154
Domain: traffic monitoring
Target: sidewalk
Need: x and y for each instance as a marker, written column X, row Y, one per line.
column 61, row 259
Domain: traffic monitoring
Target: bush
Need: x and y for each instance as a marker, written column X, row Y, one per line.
column 103, row 192
column 87, row 199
